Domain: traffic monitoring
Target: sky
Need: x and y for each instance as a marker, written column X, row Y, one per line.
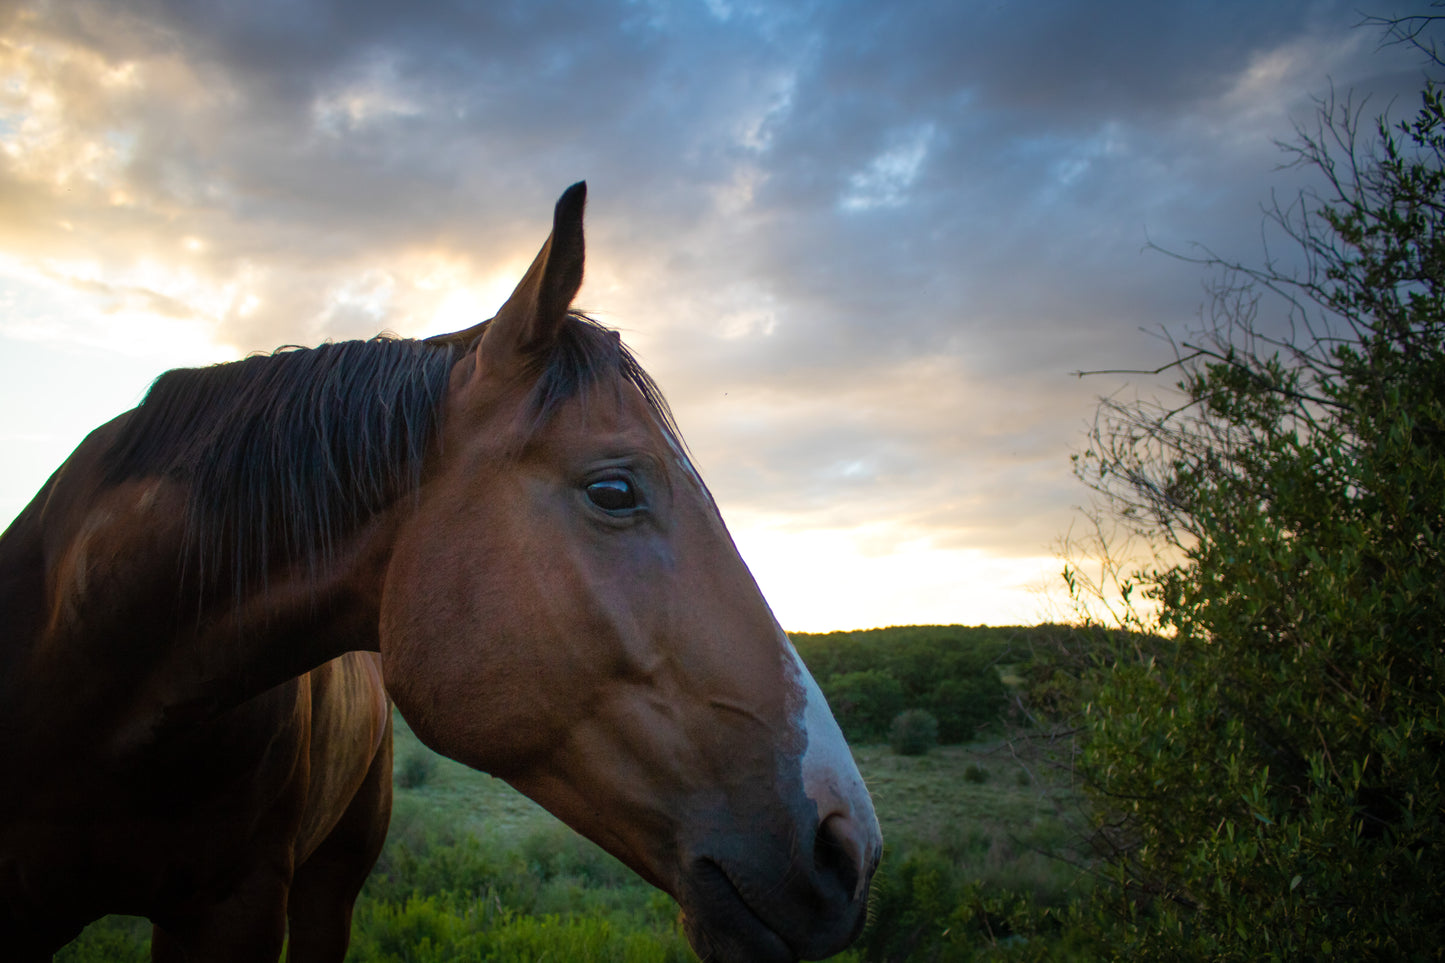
column 864, row 247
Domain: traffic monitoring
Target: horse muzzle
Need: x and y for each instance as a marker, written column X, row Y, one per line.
column 738, row 909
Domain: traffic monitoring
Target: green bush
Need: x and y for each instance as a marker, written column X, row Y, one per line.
column 953, row 671
column 550, row 895
column 913, row 733
column 928, row 908
column 1268, row 782
column 413, row 770
column 114, row 939
column 975, row 774
column 963, row 706
column 864, row 703
column 439, row 929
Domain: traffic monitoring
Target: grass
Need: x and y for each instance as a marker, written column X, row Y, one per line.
column 918, row 798
column 454, row 795
column 471, row 864
column 1003, row 832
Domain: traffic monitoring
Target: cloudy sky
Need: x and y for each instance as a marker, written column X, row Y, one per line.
column 863, row 246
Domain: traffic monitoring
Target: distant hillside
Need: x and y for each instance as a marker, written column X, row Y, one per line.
column 961, row 674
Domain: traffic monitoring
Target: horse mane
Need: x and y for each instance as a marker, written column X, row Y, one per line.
column 285, row 455
column 584, row 354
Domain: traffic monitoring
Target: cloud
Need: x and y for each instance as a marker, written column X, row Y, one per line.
column 863, row 246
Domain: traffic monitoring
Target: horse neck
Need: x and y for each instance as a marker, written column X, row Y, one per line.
column 94, row 635
column 22, row 594
column 302, row 616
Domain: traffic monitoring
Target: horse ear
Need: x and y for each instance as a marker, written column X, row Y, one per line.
column 537, row 309
column 535, row 312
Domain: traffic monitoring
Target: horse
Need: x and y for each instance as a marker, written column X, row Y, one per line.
column 208, row 610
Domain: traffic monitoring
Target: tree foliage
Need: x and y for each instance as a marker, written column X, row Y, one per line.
column 1268, row 782
column 951, row 671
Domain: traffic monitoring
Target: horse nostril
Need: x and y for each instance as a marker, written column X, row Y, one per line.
column 838, row 853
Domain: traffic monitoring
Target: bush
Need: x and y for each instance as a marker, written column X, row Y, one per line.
column 913, row 733
column 413, row 771
column 114, row 939
column 864, row 702
column 436, row 929
column 548, row 895
column 953, row 671
column 1268, row 783
column 975, row 774
column 928, row 908
column 963, row 706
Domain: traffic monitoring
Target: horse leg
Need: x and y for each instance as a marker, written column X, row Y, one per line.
column 248, row 926
column 328, row 882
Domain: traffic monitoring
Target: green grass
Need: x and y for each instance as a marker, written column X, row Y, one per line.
column 474, row 870
column 920, row 798
column 1005, row 832
column 466, row 801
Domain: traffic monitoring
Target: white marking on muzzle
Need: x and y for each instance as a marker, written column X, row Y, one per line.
column 830, row 776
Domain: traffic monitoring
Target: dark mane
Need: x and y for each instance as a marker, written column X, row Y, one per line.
column 284, row 455
column 585, row 354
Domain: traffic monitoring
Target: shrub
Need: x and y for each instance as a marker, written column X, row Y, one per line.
column 975, row 774
column 413, row 771
column 926, row 908
column 1272, row 776
column 913, row 733
column 965, row 705
column 863, row 702
column 114, row 939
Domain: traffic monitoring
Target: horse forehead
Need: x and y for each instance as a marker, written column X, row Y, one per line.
column 620, row 417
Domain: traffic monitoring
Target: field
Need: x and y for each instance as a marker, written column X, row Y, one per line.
column 473, row 870
column 919, row 798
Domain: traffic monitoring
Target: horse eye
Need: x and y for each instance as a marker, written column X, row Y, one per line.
column 612, row 494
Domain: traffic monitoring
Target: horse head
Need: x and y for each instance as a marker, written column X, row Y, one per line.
column 565, row 609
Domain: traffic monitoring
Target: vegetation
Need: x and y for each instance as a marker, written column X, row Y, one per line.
column 913, row 733
column 1246, row 761
column 1267, row 779
column 952, row 672
column 413, row 770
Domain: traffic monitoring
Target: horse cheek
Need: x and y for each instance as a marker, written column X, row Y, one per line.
column 456, row 669
column 419, row 597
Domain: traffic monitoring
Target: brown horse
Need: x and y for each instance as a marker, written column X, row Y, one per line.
column 192, row 725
